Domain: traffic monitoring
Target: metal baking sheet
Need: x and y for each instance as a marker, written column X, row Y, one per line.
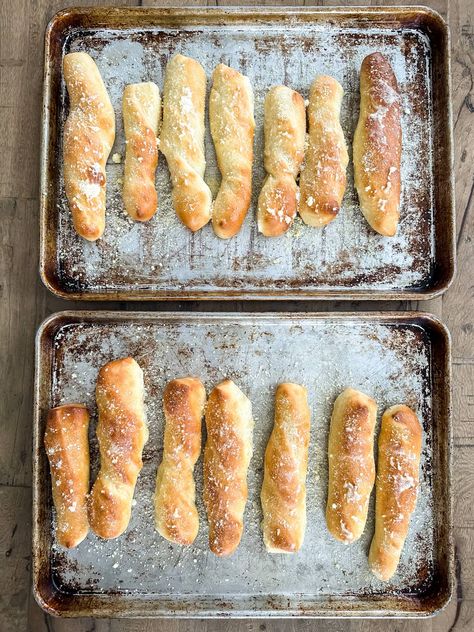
column 161, row 259
column 392, row 357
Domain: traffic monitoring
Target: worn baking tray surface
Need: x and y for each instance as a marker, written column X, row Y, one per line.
column 347, row 259
column 392, row 358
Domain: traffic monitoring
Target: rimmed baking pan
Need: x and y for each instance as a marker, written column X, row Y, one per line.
column 391, row 356
column 347, row 260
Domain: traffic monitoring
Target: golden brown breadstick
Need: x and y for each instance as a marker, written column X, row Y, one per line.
column 396, row 489
column 284, row 483
column 232, row 130
column 176, row 516
column 67, row 446
column 351, row 464
column 122, row 432
column 323, row 179
column 285, row 134
column 141, row 115
column 89, row 134
column 227, row 456
column 182, row 140
column 378, row 145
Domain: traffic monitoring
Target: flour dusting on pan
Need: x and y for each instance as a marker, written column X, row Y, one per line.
column 164, row 256
column 391, row 362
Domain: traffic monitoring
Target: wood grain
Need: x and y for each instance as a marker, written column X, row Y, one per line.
column 24, row 302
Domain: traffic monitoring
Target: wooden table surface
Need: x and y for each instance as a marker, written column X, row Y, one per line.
column 24, row 302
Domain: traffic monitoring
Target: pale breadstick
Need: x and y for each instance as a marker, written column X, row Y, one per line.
column 122, row 432
column 378, row 145
column 227, row 456
column 67, row 446
column 351, row 464
column 323, row 179
column 182, row 140
column 89, row 133
column 285, row 134
column 284, row 483
column 176, row 516
column 232, row 130
column 396, row 488
column 141, row 115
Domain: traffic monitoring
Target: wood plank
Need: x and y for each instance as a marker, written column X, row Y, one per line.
column 15, row 528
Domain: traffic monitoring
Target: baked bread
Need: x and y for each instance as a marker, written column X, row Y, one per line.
column 232, row 130
column 141, row 115
column 176, row 516
column 182, row 140
column 89, row 133
column 378, row 145
column 396, row 488
column 227, row 456
column 122, row 432
column 285, row 135
column 351, row 464
column 67, row 445
column 323, row 179
column 284, row 482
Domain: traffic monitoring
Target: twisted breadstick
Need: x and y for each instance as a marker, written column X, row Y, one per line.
column 323, row 179
column 378, row 145
column 141, row 115
column 67, row 446
column 285, row 133
column 176, row 515
column 232, row 130
column 89, row 134
column 227, row 456
column 351, row 464
column 396, row 489
column 284, row 483
column 122, row 433
column 182, row 140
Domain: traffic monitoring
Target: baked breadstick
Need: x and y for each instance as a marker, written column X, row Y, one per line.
column 378, row 145
column 227, row 456
column 176, row 516
column 284, row 483
column 285, row 134
column 122, row 432
column 141, row 115
column 323, row 179
column 67, row 446
column 89, row 133
column 351, row 464
column 396, row 488
column 232, row 130
column 182, row 140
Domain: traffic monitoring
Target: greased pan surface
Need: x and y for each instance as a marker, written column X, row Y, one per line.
column 162, row 259
column 392, row 357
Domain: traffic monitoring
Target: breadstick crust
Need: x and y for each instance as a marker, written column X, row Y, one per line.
column 122, row 432
column 89, row 133
column 283, row 493
column 141, row 108
column 351, row 464
column 182, row 140
column 323, row 179
column 227, row 456
column 285, row 135
column 231, row 117
column 67, row 447
column 378, row 145
column 397, row 486
column 176, row 516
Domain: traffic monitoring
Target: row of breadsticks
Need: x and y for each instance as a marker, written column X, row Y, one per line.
column 321, row 156
column 122, row 433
